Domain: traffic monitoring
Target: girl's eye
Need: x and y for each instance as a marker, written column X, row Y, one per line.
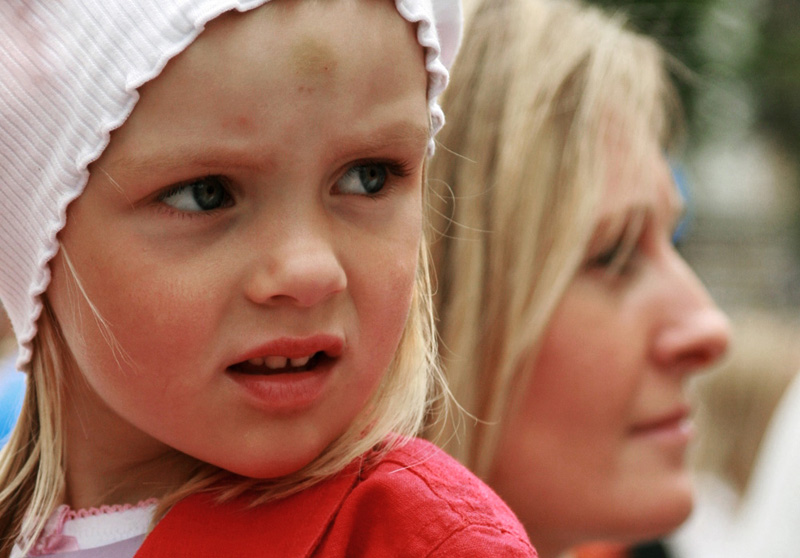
column 203, row 194
column 363, row 179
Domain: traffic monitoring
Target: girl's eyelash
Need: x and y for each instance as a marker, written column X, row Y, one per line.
column 170, row 192
column 395, row 170
column 183, row 185
column 399, row 169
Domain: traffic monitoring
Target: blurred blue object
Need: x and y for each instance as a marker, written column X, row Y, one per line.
column 682, row 184
column 12, row 393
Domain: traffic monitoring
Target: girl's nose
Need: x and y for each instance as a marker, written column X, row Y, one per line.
column 694, row 332
column 301, row 269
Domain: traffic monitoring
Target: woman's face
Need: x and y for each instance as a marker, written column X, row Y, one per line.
column 595, row 448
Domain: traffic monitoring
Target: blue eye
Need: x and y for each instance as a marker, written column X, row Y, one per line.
column 203, row 194
column 363, row 179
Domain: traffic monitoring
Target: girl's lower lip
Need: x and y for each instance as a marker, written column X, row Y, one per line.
column 288, row 392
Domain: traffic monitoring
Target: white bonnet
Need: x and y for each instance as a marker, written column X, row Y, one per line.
column 69, row 70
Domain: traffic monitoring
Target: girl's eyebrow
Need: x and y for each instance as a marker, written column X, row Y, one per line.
column 404, row 134
column 180, row 158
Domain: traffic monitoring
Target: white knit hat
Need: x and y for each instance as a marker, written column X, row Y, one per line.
column 69, row 70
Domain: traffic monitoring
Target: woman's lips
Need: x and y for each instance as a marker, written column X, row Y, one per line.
column 676, row 420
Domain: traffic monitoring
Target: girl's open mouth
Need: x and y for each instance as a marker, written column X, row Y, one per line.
column 281, row 365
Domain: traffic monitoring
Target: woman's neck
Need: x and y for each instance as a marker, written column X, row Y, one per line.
column 549, row 546
column 551, row 550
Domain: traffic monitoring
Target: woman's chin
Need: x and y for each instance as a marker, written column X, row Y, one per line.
column 656, row 519
column 628, row 521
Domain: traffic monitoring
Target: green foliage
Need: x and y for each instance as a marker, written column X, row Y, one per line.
column 772, row 71
column 775, row 72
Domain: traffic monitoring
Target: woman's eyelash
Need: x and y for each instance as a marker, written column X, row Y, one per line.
column 607, row 257
column 618, row 258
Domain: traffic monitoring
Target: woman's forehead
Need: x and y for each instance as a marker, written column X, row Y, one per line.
column 646, row 187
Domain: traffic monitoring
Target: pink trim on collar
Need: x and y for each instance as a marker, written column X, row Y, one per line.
column 102, row 510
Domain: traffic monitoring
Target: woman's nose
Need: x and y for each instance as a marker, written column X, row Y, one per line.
column 301, row 268
column 693, row 333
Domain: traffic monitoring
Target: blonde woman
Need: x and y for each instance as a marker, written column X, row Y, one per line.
column 569, row 323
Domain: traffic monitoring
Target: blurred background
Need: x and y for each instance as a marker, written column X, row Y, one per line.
column 741, row 89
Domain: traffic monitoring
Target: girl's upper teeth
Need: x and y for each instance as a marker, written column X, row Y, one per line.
column 298, row 362
column 275, row 362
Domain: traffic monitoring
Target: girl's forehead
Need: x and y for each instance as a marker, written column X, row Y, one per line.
column 267, row 88
column 307, row 39
column 313, row 57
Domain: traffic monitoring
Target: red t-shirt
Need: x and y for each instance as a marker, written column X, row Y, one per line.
column 416, row 502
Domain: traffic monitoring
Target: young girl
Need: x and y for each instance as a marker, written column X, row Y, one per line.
column 569, row 323
column 213, row 261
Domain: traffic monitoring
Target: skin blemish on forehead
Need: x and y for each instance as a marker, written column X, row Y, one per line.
column 315, row 61
column 238, row 123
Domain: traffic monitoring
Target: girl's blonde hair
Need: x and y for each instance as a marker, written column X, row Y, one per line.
column 32, row 463
column 538, row 88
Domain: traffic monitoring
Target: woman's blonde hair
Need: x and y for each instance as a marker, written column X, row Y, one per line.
column 538, row 87
column 32, row 477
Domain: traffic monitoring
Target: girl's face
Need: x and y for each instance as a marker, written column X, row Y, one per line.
column 595, row 449
column 250, row 236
